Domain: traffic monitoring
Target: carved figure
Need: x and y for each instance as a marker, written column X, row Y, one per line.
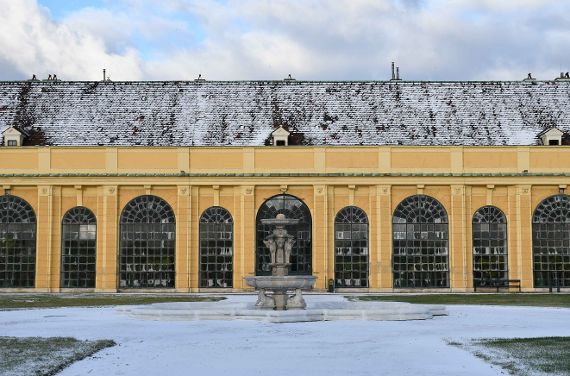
column 280, row 244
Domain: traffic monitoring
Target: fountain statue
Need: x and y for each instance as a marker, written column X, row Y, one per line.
column 273, row 289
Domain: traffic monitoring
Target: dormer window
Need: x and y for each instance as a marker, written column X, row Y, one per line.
column 13, row 137
column 280, row 137
column 551, row 136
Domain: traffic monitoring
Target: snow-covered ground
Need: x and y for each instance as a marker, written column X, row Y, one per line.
column 242, row 347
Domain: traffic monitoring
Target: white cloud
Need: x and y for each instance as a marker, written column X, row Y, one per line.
column 32, row 43
column 311, row 39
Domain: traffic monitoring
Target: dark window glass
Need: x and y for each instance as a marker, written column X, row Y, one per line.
column 301, row 255
column 551, row 242
column 216, row 248
column 420, row 243
column 17, row 243
column 490, row 256
column 351, row 248
column 147, row 244
column 78, row 248
column 12, row 143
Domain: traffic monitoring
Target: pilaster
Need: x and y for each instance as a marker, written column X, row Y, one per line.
column 245, row 253
column 522, row 265
column 321, row 251
column 457, row 241
column 383, row 250
column 108, row 254
column 183, row 237
column 44, row 237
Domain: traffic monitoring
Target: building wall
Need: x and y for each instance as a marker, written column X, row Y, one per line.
column 376, row 179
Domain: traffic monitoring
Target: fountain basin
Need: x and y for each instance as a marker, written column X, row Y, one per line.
column 288, row 282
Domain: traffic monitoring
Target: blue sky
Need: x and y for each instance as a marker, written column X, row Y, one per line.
column 62, row 8
column 269, row 39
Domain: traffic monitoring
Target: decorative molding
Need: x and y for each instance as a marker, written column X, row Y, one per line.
column 457, row 190
column 523, row 189
column 384, row 190
column 183, row 191
column 79, row 194
column 247, row 190
column 110, row 191
column 283, row 188
column 320, row 190
column 45, row 190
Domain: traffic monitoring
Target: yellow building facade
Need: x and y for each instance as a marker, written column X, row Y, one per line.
column 375, row 180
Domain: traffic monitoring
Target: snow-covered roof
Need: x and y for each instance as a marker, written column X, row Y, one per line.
column 244, row 113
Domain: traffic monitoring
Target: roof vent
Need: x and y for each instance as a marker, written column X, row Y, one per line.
column 280, row 137
column 289, row 78
column 200, row 79
column 529, row 77
column 563, row 76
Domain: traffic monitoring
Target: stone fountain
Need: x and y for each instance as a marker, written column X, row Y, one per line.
column 274, row 289
column 282, row 293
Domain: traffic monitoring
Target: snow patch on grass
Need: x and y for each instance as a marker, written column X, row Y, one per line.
column 523, row 356
column 44, row 356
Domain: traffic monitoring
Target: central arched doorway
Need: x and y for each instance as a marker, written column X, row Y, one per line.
column 302, row 253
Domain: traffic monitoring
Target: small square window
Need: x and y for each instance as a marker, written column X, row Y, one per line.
column 12, row 143
column 280, row 143
column 553, row 142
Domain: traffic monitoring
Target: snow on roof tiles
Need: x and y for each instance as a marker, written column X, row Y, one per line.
column 244, row 113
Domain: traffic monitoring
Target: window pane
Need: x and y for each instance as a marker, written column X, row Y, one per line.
column 147, row 246
column 420, row 245
column 216, row 234
column 301, row 255
column 351, row 248
column 551, row 240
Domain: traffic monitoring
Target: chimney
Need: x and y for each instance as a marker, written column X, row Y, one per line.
column 393, row 74
column 104, row 71
column 397, row 73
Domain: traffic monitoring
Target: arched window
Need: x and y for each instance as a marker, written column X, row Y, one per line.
column 490, row 257
column 216, row 248
column 351, row 248
column 147, row 247
column 301, row 255
column 17, row 243
column 78, row 248
column 551, row 242
column 420, row 240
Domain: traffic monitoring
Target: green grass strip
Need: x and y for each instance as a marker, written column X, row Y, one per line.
column 24, row 301
column 524, row 356
column 44, row 356
column 537, row 300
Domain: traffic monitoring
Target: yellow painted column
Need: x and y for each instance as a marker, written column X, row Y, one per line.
column 244, row 258
column 513, row 231
column 321, row 250
column 468, row 251
column 384, row 241
column 457, row 243
column 524, row 250
column 194, row 240
column 56, row 217
column 183, row 239
column 108, row 253
column 44, row 238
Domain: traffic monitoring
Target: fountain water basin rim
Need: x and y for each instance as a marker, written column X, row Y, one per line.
column 288, row 282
